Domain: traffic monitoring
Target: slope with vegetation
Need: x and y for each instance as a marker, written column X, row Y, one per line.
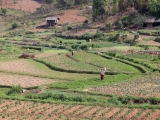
column 55, row 84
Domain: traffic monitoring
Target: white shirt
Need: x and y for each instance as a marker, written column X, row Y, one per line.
column 102, row 71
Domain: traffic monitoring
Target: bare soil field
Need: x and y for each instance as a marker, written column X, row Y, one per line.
column 23, row 80
column 12, row 109
column 72, row 17
column 20, row 65
column 68, row 17
column 25, row 5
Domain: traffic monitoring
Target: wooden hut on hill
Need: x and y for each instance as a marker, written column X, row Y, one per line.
column 52, row 21
column 157, row 22
column 151, row 22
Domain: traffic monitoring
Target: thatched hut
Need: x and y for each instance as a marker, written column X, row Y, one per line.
column 52, row 21
column 149, row 22
column 157, row 22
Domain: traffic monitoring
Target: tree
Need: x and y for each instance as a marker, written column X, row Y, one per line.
column 126, row 21
column 49, row 1
column 4, row 11
column 67, row 3
column 98, row 5
column 115, row 6
column 154, row 7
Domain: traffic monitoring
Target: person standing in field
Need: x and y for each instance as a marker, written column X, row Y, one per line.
column 102, row 73
column 72, row 52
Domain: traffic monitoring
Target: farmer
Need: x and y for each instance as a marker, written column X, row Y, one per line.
column 102, row 73
column 72, row 52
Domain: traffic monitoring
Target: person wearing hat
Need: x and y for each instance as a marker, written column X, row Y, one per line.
column 102, row 73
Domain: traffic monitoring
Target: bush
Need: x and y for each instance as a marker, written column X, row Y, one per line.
column 157, row 39
column 86, row 22
column 78, row 99
column 136, row 36
column 109, row 26
column 114, row 100
column 15, row 90
column 125, row 99
column 14, row 25
column 4, row 10
column 69, row 28
column 125, row 21
column 48, row 1
column 112, row 38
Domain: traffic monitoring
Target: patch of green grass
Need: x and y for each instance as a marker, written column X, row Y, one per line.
column 93, row 82
column 142, row 56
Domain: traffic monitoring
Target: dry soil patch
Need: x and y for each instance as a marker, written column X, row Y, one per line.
column 24, row 81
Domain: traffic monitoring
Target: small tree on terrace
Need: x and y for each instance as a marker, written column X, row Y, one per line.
column 4, row 11
column 49, row 1
column 14, row 25
column 98, row 7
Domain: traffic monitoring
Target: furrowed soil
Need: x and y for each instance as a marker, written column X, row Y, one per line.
column 23, row 80
column 12, row 109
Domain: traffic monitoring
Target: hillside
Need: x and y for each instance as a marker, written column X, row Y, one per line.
column 24, row 5
column 79, row 60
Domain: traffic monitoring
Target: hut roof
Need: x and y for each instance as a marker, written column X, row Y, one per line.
column 157, row 20
column 52, row 18
column 151, row 20
column 89, row 7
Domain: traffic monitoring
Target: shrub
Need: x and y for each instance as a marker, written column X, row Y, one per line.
column 109, row 26
column 14, row 25
column 125, row 99
column 86, row 22
column 136, row 36
column 4, row 10
column 125, row 21
column 15, row 90
column 114, row 100
column 78, row 99
column 157, row 39
column 69, row 28
column 48, row 1
column 112, row 38
column 31, row 96
column 87, row 36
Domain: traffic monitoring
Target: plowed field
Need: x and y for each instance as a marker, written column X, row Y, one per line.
column 20, row 110
column 24, row 81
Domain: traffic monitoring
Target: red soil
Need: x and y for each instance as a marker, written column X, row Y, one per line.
column 25, row 5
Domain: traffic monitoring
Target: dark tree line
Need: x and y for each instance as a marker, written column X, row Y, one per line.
column 150, row 7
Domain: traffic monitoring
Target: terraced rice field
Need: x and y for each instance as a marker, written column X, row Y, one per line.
column 88, row 62
column 143, row 87
column 30, row 67
column 12, row 109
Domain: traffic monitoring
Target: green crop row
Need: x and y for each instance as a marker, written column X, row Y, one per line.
column 94, row 82
column 110, row 64
column 140, row 62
